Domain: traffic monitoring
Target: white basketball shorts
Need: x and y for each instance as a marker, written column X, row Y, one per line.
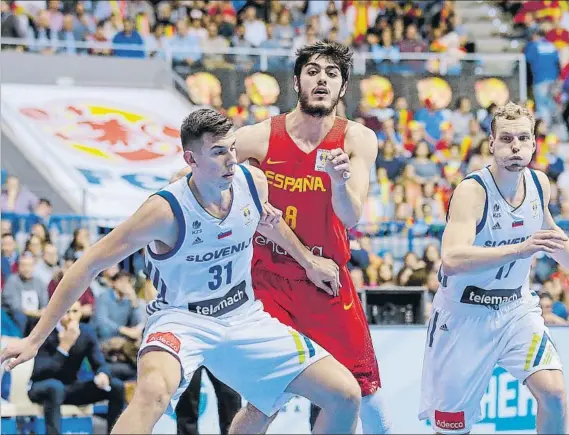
column 463, row 347
column 253, row 353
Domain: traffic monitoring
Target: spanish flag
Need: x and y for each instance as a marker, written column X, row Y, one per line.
column 559, row 37
column 118, row 7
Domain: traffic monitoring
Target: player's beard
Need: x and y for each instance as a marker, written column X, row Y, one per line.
column 318, row 111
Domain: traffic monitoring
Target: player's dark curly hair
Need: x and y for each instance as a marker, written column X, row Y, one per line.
column 339, row 54
column 200, row 122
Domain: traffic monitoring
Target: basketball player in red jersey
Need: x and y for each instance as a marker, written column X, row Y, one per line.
column 318, row 167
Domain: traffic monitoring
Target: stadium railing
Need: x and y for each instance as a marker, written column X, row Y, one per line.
column 443, row 64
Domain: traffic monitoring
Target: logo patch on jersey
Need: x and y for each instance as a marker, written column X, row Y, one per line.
column 246, row 211
column 496, row 211
column 197, row 241
column 490, row 298
column 273, row 162
column 196, row 227
column 224, row 234
column 444, row 327
column 535, row 209
column 497, row 226
column 516, row 224
column 321, row 158
column 233, row 299
column 450, row 420
column 167, row 339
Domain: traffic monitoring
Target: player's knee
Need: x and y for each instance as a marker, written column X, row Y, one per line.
column 552, row 397
column 152, row 393
column 347, row 395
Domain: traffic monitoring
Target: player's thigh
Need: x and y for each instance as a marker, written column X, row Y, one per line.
column 530, row 348
column 261, row 357
column 174, row 345
column 460, row 355
column 324, row 381
column 159, row 376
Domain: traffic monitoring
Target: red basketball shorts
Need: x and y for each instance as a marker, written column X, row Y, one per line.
column 337, row 324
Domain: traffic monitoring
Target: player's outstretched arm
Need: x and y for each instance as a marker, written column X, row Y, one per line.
column 154, row 220
column 561, row 256
column 323, row 272
column 458, row 253
column 349, row 172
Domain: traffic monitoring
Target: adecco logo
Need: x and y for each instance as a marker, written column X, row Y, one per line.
column 449, row 420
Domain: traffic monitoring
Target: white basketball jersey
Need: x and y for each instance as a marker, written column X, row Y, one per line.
column 501, row 224
column 208, row 272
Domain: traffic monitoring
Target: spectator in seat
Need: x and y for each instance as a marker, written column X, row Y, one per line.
column 40, row 231
column 425, row 168
column 129, row 36
column 99, row 36
column 461, row 118
column 275, row 63
column 24, row 297
column 17, row 199
column 283, row 31
column 9, row 254
column 112, row 26
column 543, row 59
column 41, row 37
column 546, row 303
column 242, row 62
column 87, row 299
column 67, row 37
column 214, row 43
column 5, row 226
column 78, row 245
column 119, row 311
column 34, row 246
column 84, row 23
column 54, row 378
column 255, row 29
column 183, row 41
column 41, row 214
column 48, row 265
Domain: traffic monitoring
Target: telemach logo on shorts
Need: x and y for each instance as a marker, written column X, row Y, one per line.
column 490, row 298
column 233, row 299
column 167, row 339
column 449, row 420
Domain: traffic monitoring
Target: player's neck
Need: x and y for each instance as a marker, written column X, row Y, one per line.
column 508, row 182
column 208, row 195
column 309, row 128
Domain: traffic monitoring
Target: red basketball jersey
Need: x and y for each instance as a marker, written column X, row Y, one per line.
column 304, row 194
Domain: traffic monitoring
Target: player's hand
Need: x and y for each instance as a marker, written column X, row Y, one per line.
column 324, row 274
column 21, row 351
column 102, row 381
column 549, row 241
column 338, row 166
column 271, row 216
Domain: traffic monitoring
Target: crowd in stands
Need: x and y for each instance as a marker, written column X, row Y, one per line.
column 383, row 28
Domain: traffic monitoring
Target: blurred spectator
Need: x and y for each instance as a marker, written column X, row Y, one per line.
column 119, row 312
column 543, row 60
column 41, row 37
column 67, row 37
column 99, row 36
column 47, row 266
column 16, row 198
column 242, row 62
column 425, row 168
column 156, row 41
column 24, row 297
column 112, row 26
column 461, row 117
column 83, row 24
column 283, row 30
column 54, row 380
column 87, row 299
column 129, row 36
column 34, row 246
column 275, row 63
column 255, row 29
column 183, row 41
column 546, row 303
column 9, row 253
column 104, row 281
column 214, row 43
column 10, row 24
column 387, row 158
column 141, row 10
column 78, row 245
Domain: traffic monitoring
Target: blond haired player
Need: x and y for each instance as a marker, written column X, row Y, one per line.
column 484, row 313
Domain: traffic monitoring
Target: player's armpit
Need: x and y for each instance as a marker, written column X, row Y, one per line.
column 252, row 141
column 154, row 220
column 458, row 254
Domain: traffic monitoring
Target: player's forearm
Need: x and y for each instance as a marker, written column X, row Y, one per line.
column 283, row 236
column 71, row 287
column 346, row 204
column 562, row 257
column 469, row 259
